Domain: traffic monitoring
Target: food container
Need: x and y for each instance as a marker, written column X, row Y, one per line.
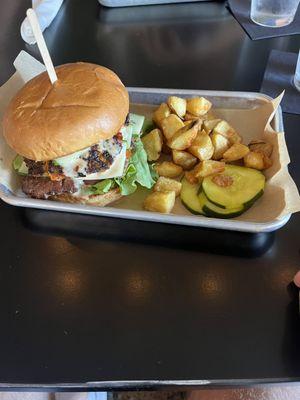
column 143, row 101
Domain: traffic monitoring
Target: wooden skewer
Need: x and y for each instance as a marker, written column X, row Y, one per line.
column 41, row 44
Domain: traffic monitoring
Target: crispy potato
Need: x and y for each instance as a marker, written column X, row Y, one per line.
column 184, row 159
column 236, row 152
column 203, row 169
column 210, row 167
column 185, row 123
column 267, row 162
column 261, row 147
column 153, row 144
column 202, row 146
column 170, row 125
column 210, row 124
column 168, row 169
column 183, row 138
column 167, row 185
column 236, row 138
column 198, row 106
column 160, row 202
column 177, row 105
column 162, row 112
column 254, row 160
column 223, row 128
column 221, row 144
column 190, row 117
column 192, row 178
column 257, row 160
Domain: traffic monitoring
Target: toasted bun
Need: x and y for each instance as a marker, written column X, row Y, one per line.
column 99, row 200
column 86, row 104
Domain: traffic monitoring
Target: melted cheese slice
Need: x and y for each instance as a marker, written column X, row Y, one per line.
column 70, row 162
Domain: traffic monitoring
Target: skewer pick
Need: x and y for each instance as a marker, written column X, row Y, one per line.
column 41, row 44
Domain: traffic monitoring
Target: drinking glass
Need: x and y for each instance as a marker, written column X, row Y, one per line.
column 297, row 74
column 273, row 13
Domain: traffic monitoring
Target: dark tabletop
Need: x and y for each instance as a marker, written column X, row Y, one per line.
column 90, row 299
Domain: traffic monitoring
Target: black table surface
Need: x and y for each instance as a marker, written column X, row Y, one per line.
column 91, row 302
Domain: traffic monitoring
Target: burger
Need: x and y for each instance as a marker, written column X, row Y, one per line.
column 75, row 140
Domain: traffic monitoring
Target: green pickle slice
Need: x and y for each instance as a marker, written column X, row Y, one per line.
column 247, row 186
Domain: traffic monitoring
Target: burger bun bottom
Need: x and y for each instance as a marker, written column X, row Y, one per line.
column 99, row 200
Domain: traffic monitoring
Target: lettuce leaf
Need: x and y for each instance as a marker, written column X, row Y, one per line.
column 138, row 171
column 19, row 165
column 100, row 187
column 17, row 162
column 127, row 183
column 147, row 127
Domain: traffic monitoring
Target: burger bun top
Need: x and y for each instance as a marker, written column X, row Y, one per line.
column 87, row 103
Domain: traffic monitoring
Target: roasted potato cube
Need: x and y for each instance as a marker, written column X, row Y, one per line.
column 170, row 125
column 203, row 169
column 168, row 169
column 153, row 144
column 185, row 123
column 261, row 147
column 190, row 117
column 184, row 159
column 198, row 106
column 221, row 144
column 223, row 128
column 267, row 162
column 198, row 120
column 192, row 178
column 210, row 124
column 254, row 160
column 257, row 160
column 236, row 152
column 202, row 146
column 167, row 185
column 162, row 112
column 162, row 202
column 183, row 138
column 177, row 105
column 210, row 167
column 236, row 138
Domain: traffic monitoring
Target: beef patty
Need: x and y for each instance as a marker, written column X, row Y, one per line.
column 42, row 188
